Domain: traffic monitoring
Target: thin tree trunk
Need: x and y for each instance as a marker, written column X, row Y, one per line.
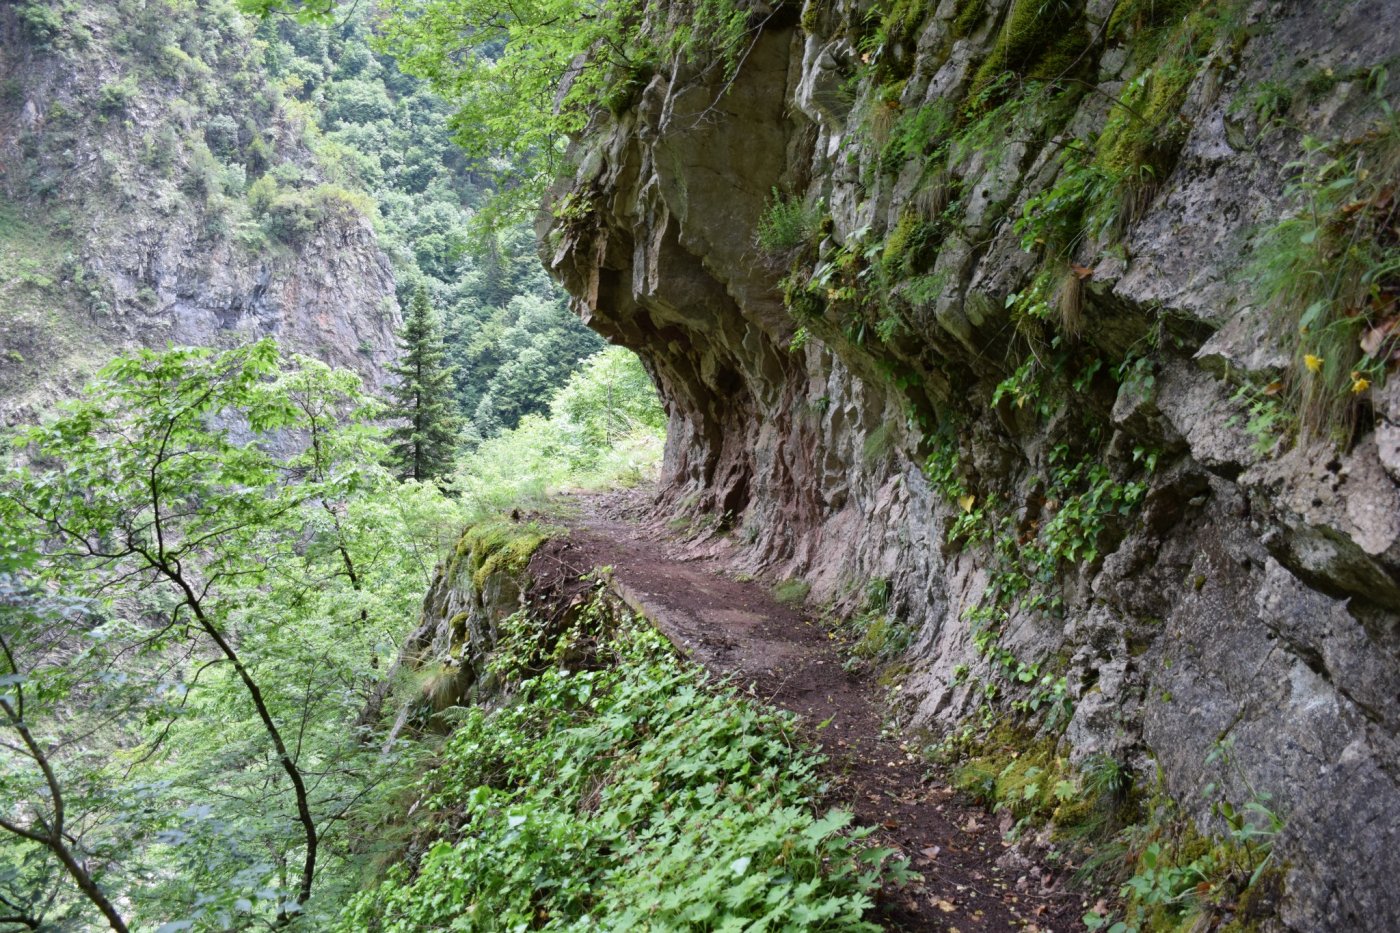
column 303, row 799
column 53, row 840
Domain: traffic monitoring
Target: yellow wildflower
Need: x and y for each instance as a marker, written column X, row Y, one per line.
column 1359, row 383
column 1313, row 363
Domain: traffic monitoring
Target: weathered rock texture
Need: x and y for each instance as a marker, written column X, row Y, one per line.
column 130, row 134
column 498, row 569
column 1249, row 598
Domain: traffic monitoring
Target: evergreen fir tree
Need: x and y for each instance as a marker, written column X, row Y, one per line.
column 423, row 443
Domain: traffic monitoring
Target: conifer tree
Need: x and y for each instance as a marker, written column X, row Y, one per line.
column 423, row 443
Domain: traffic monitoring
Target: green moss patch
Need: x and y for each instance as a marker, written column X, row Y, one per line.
column 1019, row 773
column 1145, row 132
column 792, row 592
column 966, row 15
column 1039, row 42
column 909, row 245
column 1138, row 18
column 498, row 545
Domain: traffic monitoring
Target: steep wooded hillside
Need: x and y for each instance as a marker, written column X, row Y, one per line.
column 134, row 138
column 182, row 173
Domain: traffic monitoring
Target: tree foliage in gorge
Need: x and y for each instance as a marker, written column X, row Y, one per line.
column 425, row 439
column 507, row 329
column 216, row 526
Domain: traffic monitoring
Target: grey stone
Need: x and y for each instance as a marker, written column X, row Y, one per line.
column 1254, row 596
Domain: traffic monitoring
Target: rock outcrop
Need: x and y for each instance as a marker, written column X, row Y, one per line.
column 132, row 140
column 975, row 301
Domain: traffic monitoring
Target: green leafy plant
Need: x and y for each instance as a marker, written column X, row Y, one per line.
column 1268, row 420
column 1331, row 274
column 633, row 793
column 210, row 578
column 787, row 224
column 1180, row 877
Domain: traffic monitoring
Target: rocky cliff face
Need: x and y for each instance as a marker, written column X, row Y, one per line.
column 133, row 137
column 991, row 304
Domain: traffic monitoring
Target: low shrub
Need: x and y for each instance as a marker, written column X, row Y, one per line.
column 633, row 795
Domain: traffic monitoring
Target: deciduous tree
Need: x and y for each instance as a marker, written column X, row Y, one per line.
column 181, row 732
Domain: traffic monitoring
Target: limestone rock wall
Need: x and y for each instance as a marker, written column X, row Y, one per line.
column 1239, row 590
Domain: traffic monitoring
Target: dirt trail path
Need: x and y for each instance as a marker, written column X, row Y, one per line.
column 783, row 657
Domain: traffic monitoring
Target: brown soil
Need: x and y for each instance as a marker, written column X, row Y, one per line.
column 781, row 655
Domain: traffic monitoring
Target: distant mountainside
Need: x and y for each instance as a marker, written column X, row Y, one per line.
column 138, row 143
column 179, row 173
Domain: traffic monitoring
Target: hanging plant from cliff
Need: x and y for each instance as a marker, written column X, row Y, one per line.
column 1330, row 274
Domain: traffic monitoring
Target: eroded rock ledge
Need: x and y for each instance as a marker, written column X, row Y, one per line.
column 1237, row 595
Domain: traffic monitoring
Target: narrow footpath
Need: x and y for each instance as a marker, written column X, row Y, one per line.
column 780, row 655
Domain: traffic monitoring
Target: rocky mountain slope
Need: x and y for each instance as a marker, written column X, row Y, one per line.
column 1067, row 325
column 182, row 173
column 133, row 138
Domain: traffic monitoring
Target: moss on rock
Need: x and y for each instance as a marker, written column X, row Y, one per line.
column 1145, row 132
column 907, row 244
column 1037, row 43
column 1137, row 17
column 498, row 544
column 1014, row 770
column 966, row 15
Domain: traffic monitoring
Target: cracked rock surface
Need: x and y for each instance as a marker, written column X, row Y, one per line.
column 1254, row 598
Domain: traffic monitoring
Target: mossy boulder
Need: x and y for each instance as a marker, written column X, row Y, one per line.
column 498, row 544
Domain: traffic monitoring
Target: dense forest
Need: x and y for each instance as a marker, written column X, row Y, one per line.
column 701, row 465
column 509, row 334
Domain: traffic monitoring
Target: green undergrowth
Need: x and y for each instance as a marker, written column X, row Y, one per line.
column 880, row 638
column 1172, row 877
column 1076, row 507
column 634, row 793
column 1161, row 873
